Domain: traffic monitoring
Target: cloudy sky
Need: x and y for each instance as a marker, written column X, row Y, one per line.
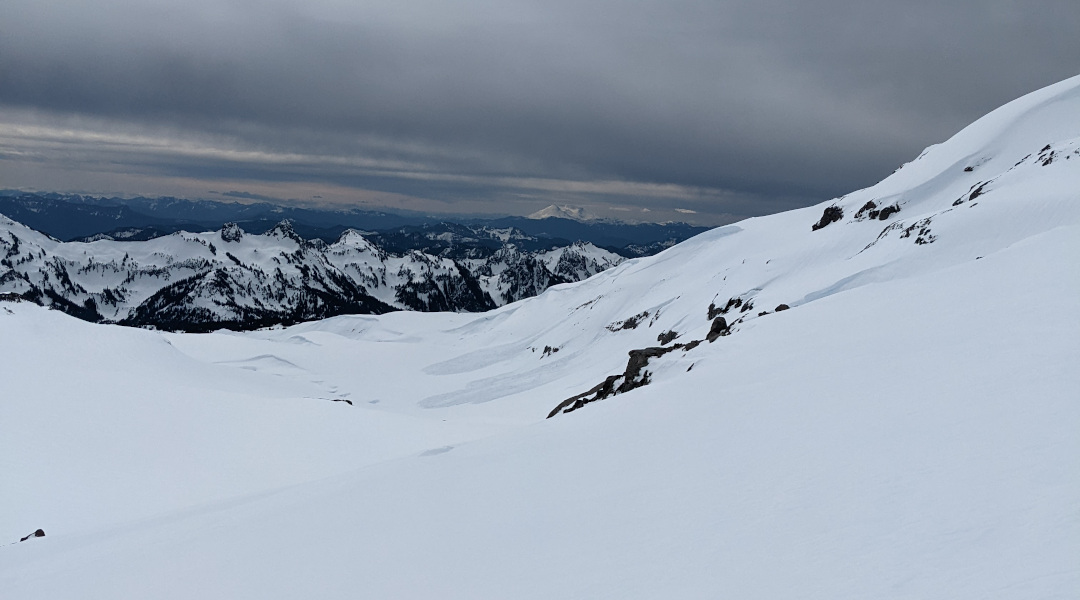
column 698, row 110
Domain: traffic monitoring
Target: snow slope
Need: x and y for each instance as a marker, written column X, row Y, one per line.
column 906, row 429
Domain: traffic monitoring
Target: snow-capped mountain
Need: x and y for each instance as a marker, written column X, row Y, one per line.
column 875, row 397
column 203, row 281
column 562, row 211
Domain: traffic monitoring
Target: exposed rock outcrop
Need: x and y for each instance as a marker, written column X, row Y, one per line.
column 718, row 328
column 832, row 214
column 36, row 534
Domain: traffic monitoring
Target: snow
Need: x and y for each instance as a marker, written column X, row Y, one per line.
column 562, row 211
column 906, row 430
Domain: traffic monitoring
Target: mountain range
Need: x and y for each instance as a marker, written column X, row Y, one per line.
column 228, row 278
column 75, row 217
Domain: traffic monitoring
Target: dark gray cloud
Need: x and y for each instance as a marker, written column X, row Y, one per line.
column 243, row 195
column 722, row 106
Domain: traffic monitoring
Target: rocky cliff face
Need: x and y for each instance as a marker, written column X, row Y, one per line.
column 205, row 281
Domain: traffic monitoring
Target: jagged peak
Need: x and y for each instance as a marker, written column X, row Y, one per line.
column 352, row 237
column 231, row 232
column 283, row 230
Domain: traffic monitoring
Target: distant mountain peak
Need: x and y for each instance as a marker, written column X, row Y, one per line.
column 563, row 211
column 284, row 229
column 231, row 232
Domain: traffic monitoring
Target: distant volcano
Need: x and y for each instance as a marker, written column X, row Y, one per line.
column 564, row 211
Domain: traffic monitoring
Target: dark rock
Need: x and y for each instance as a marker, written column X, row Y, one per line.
column 346, row 400
column 887, row 212
column 831, row 214
column 866, row 207
column 969, row 169
column 36, row 534
column 921, row 229
column 633, row 377
column 718, row 328
column 598, row 392
column 630, row 323
column 667, row 337
column 978, row 191
column 231, row 232
column 715, row 311
column 781, row 307
column 689, row 345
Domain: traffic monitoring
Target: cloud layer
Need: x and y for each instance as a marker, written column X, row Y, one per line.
column 723, row 107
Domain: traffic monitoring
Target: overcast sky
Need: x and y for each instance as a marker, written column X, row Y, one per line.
column 640, row 110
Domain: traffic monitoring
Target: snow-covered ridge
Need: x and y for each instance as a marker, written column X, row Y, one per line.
column 1009, row 176
column 199, row 281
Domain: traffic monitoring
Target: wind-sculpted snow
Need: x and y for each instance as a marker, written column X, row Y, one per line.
column 839, row 412
column 206, row 281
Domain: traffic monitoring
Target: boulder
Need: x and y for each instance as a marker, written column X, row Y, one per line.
column 832, row 214
column 718, row 328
